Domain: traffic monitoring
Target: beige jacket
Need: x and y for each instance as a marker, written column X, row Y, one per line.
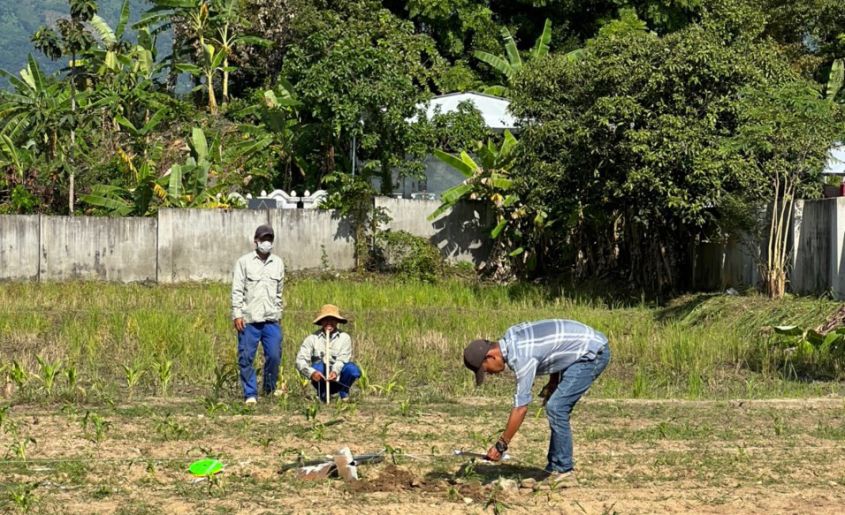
column 257, row 288
column 314, row 348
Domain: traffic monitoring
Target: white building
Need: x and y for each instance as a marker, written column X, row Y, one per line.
column 495, row 111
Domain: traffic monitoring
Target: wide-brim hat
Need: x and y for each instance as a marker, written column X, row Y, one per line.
column 329, row 310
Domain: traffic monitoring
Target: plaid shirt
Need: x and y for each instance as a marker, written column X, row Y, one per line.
column 546, row 347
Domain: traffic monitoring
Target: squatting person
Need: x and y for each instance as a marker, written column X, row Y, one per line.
column 257, row 312
column 310, row 361
column 571, row 353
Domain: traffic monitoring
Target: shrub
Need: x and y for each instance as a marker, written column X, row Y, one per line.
column 411, row 257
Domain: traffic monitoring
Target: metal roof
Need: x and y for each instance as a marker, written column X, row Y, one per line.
column 835, row 160
column 494, row 110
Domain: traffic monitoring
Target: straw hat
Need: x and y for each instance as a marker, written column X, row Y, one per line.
column 329, row 310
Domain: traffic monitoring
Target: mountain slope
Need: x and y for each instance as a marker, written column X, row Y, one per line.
column 19, row 19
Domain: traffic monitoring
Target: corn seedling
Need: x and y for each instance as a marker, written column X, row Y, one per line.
column 19, row 374
column 164, row 373
column 100, row 426
column 390, row 386
column 394, row 452
column 225, row 375
column 19, row 447
column 212, row 406
column 493, row 501
column 133, row 375
column 4, row 415
column 23, row 497
column 169, row 429
column 71, row 377
column 49, row 373
column 311, row 411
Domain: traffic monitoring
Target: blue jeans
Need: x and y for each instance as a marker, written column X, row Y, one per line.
column 348, row 375
column 574, row 382
column 270, row 335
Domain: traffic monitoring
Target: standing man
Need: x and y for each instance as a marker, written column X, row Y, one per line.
column 311, row 359
column 571, row 353
column 257, row 310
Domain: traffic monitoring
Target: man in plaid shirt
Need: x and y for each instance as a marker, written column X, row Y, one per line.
column 572, row 354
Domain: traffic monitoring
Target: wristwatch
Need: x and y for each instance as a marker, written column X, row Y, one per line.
column 501, row 446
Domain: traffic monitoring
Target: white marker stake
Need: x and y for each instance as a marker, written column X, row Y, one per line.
column 328, row 367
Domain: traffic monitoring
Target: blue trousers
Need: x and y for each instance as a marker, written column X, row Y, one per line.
column 574, row 382
column 348, row 375
column 270, row 335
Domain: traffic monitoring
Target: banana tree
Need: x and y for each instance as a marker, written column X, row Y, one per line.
column 226, row 18
column 136, row 199
column 512, row 62
column 211, row 64
column 489, row 181
column 38, row 107
column 170, row 15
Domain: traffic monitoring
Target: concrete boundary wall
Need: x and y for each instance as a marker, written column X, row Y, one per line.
column 203, row 244
column 198, row 245
column 110, row 249
column 461, row 234
column 310, row 238
column 19, row 247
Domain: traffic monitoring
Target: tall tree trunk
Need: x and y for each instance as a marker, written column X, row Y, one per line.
column 72, row 170
column 212, row 99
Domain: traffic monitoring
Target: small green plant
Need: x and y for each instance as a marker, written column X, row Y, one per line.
column 49, row 373
column 778, row 424
column 225, row 376
column 390, row 386
column 19, row 374
column 4, row 415
column 493, row 501
column 318, row 432
column 311, row 411
column 72, row 378
column 164, row 373
column 133, row 375
column 213, row 406
column 170, row 429
column 406, row 408
column 395, row 453
column 411, row 257
column 23, row 497
column 18, row 448
column 99, row 427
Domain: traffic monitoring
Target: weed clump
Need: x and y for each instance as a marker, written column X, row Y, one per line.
column 410, row 257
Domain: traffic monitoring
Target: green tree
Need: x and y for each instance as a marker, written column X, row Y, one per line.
column 359, row 71
column 72, row 38
column 624, row 148
column 783, row 139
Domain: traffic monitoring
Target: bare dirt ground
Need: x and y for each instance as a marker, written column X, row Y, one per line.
column 773, row 456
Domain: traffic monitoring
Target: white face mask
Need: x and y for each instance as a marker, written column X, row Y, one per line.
column 265, row 247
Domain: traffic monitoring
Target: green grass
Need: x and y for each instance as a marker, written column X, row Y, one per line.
column 407, row 336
